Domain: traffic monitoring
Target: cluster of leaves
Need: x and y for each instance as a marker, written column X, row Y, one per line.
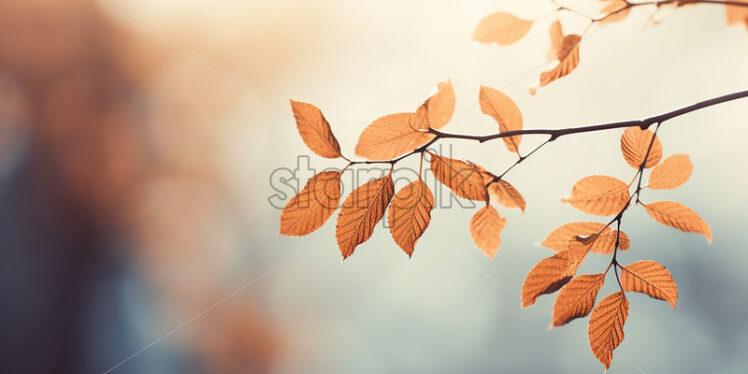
column 387, row 140
column 505, row 28
column 606, row 196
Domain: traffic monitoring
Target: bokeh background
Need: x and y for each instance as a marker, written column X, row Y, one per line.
column 138, row 139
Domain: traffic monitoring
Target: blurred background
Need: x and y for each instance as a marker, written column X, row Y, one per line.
column 138, row 140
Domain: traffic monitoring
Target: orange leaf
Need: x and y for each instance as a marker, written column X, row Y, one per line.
column 505, row 194
column 390, row 136
column 315, row 130
column 503, row 109
column 464, row 179
column 599, row 195
column 604, row 243
column 552, row 273
column 634, row 145
column 557, row 40
column 606, row 326
column 679, row 216
column 577, row 298
column 568, row 60
column 612, row 12
column 410, row 214
column 650, row 278
column 361, row 211
column 485, row 228
column 737, row 14
column 441, row 105
column 501, row 27
column 671, row 173
column 311, row 208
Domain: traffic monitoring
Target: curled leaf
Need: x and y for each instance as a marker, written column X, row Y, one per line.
column 464, row 179
column 501, row 27
column 441, row 105
column 634, row 145
column 605, row 241
column 315, row 130
column 485, row 228
column 410, row 214
column 391, row 136
column 557, row 40
column 650, row 278
column 568, row 60
column 311, row 208
column 678, row 216
column 361, row 211
column 577, row 298
column 606, row 326
column 671, row 173
column 503, row 109
column 599, row 195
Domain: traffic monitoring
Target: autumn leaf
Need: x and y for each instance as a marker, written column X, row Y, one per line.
column 315, row 130
column 441, row 105
column 671, row 173
column 599, row 195
column 577, row 298
column 737, row 14
column 568, row 60
column 558, row 239
column 552, row 273
column 485, row 228
column 410, row 214
column 614, row 11
column 311, row 208
column 390, row 136
column 503, row 109
column 501, row 27
column 678, row 216
column 464, row 179
column 505, row 194
column 650, row 278
column 557, row 40
column 361, row 211
column 606, row 326
column 634, row 145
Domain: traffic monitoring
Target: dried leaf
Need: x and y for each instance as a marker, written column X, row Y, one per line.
column 311, row 208
column 558, row 239
column 737, row 14
column 616, row 15
column 577, row 298
column 599, row 195
column 391, row 136
column 503, row 109
column 634, row 145
column 671, row 173
column 678, row 216
column 606, row 326
column 552, row 273
column 557, row 40
column 315, row 130
column 650, row 278
column 505, row 194
column 464, row 179
column 361, row 211
column 568, row 60
column 501, row 27
column 410, row 214
column 441, row 105
column 485, row 228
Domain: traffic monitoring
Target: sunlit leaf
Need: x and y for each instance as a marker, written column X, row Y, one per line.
column 361, row 211
column 557, row 40
column 391, row 136
column 577, row 298
column 671, row 173
column 311, row 208
column 315, row 130
column 568, row 60
column 599, row 195
column 501, row 27
column 613, row 13
column 679, row 216
column 464, row 179
column 485, row 228
column 441, row 105
column 552, row 273
column 650, row 278
column 606, row 326
column 503, row 109
column 634, row 145
column 410, row 214
column 558, row 239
